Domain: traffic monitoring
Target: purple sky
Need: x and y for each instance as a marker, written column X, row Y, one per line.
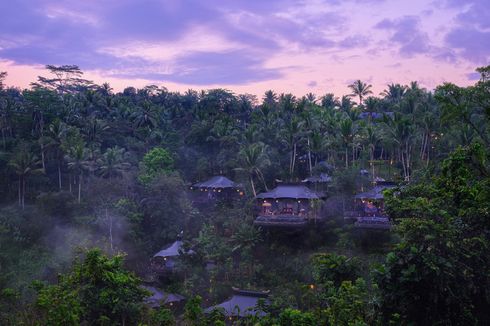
column 248, row 45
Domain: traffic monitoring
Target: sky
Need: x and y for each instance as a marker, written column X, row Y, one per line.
column 248, row 46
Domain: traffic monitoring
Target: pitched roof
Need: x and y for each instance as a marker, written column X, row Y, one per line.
column 290, row 191
column 323, row 177
column 217, row 182
column 375, row 193
column 160, row 297
column 375, row 115
column 241, row 304
column 172, row 250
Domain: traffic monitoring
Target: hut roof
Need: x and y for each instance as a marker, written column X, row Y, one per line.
column 217, row 182
column 242, row 303
column 322, row 178
column 375, row 193
column 375, row 115
column 160, row 297
column 172, row 250
column 290, row 191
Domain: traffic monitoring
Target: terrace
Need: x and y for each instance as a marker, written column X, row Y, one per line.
column 287, row 205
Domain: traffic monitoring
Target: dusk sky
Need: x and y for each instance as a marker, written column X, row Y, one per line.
column 247, row 46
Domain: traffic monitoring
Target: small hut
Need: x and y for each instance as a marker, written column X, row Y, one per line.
column 218, row 187
column 322, row 178
column 369, row 208
column 289, row 205
column 243, row 303
column 166, row 259
column 160, row 298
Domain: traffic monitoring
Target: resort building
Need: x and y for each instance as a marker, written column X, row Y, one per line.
column 288, row 205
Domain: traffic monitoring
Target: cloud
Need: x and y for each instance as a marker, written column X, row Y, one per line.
column 472, row 44
column 471, row 36
column 406, row 33
column 204, row 68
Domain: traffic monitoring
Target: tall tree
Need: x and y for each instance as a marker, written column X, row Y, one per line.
column 253, row 159
column 24, row 164
column 360, row 89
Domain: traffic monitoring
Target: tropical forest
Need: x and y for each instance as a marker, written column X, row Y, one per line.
column 152, row 207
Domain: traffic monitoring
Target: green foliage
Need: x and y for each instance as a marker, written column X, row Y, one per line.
column 162, row 317
column 156, row 162
column 442, row 247
column 334, row 268
column 193, row 313
column 87, row 142
column 294, row 317
column 349, row 304
column 98, row 290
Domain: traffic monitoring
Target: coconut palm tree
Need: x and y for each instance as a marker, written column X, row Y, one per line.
column 360, row 89
column 401, row 130
column 112, row 163
column 253, row 159
column 394, row 93
column 290, row 136
column 78, row 163
column 53, row 141
column 24, row 164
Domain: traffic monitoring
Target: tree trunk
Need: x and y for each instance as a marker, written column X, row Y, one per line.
column 261, row 177
column 309, row 157
column 346, row 158
column 42, row 158
column 59, row 174
column 110, row 229
column 23, row 192
column 253, row 186
column 20, row 191
column 79, row 188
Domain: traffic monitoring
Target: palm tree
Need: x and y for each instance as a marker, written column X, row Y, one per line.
column 291, row 136
column 269, row 100
column 372, row 139
column 394, row 93
column 401, row 130
column 345, row 104
column 53, row 141
column 112, row 163
column 253, row 159
column 347, row 135
column 360, row 89
column 24, row 163
column 371, row 104
column 78, row 162
column 329, row 101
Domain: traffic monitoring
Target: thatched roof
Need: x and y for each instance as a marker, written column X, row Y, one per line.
column 322, row 178
column 242, row 303
column 290, row 191
column 160, row 297
column 172, row 250
column 375, row 194
column 217, row 182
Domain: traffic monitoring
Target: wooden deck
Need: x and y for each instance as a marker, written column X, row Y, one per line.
column 294, row 221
